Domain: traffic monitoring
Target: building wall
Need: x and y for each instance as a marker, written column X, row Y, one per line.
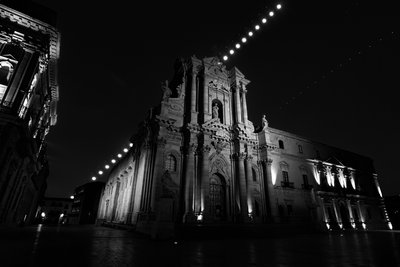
column 28, row 100
column 197, row 159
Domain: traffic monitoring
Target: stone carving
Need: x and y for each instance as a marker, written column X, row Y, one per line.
column 215, row 111
column 264, row 122
column 219, row 146
column 166, row 91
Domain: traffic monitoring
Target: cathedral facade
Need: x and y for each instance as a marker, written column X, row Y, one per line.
column 197, row 159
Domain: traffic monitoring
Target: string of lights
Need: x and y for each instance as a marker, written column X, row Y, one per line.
column 251, row 33
column 349, row 60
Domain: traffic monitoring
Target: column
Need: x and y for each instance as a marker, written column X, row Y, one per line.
column 193, row 99
column 249, row 183
column 350, row 213
column 238, row 109
column 189, row 216
column 337, row 215
column 244, row 105
column 242, row 187
column 205, row 97
column 204, row 183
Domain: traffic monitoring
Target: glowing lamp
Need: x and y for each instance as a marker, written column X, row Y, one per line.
column 125, row 150
column 61, row 215
column 250, row 33
column 390, row 225
column 257, row 27
column 264, row 20
column 94, row 178
column 71, row 197
column 199, row 217
column 237, row 46
column 271, row 14
column 364, row 226
column 278, row 6
column 100, row 172
column 131, row 144
column 328, row 226
column 113, row 161
column 43, row 214
column 107, row 167
column 119, row 155
column 244, row 40
column 225, row 58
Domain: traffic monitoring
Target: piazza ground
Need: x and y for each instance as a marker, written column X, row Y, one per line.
column 102, row 246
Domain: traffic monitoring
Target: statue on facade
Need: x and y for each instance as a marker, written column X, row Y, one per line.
column 215, row 111
column 166, row 91
column 264, row 122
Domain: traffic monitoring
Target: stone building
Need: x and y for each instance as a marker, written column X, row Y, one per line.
column 197, row 159
column 29, row 47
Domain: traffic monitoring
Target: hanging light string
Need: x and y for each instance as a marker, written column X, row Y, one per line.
column 112, row 162
column 257, row 27
column 349, row 60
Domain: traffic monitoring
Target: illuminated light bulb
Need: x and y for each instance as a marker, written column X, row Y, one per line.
column 278, row 6
column 100, row 172
column 237, row 46
column 264, row 20
column 250, row 33
column 113, row 161
column 231, row 51
column 119, row 155
column 390, row 225
column 271, row 14
column 94, row 178
column 244, row 40
column 61, row 215
column 107, row 167
column 125, row 150
column 225, row 58
column 131, row 144
column 71, row 197
column 43, row 214
column 257, row 27
column 364, row 226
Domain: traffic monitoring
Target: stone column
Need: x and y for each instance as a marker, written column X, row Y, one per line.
column 242, row 187
column 350, row 212
column 237, row 102
column 205, row 98
column 244, row 105
column 249, row 179
column 337, row 215
column 194, row 96
column 205, row 182
column 189, row 216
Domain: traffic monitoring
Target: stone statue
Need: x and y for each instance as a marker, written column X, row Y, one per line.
column 166, row 91
column 215, row 111
column 264, row 122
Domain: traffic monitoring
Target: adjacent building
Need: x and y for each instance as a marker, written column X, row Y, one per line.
column 54, row 210
column 29, row 49
column 197, row 159
column 86, row 203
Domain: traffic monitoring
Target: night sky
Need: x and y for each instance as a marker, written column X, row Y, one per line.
column 115, row 54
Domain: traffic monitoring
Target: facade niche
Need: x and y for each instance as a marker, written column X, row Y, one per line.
column 217, row 110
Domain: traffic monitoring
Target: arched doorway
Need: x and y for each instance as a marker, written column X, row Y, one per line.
column 344, row 213
column 217, row 197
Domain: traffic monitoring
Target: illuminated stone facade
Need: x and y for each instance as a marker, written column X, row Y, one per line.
column 29, row 44
column 197, row 159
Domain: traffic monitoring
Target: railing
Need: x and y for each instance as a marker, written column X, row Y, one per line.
column 287, row 184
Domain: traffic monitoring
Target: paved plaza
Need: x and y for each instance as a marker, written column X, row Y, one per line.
column 101, row 246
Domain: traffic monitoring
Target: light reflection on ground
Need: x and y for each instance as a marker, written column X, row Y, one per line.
column 100, row 246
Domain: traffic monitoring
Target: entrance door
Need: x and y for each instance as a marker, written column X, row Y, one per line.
column 344, row 213
column 217, row 197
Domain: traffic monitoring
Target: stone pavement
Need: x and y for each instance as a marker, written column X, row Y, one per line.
column 101, row 246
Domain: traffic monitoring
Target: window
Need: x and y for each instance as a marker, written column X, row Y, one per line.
column 285, row 176
column 281, row 146
column 300, row 149
column 254, row 174
column 170, row 163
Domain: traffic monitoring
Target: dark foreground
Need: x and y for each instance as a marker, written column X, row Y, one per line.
column 100, row 246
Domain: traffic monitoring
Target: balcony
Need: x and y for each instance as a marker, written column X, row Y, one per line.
column 287, row 184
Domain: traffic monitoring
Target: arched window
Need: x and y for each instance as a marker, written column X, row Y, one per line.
column 281, row 146
column 170, row 163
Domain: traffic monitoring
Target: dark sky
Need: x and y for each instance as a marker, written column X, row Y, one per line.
column 114, row 55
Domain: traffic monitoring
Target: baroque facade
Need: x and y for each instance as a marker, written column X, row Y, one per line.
column 29, row 45
column 198, row 159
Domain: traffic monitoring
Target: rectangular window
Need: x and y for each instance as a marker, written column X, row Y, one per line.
column 300, row 149
column 285, row 176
